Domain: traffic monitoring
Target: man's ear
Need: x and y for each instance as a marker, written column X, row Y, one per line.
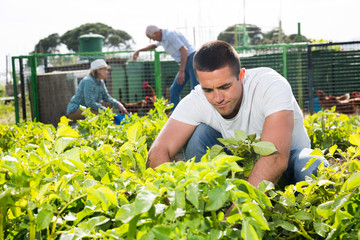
column 242, row 74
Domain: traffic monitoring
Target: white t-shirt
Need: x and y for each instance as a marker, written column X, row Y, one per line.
column 264, row 92
column 172, row 41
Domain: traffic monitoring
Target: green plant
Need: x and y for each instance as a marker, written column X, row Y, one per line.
column 83, row 183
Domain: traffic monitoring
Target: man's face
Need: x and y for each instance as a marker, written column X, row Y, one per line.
column 223, row 90
column 156, row 36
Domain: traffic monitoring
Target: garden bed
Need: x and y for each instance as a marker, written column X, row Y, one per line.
column 91, row 182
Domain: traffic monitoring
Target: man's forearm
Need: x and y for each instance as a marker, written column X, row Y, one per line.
column 268, row 168
column 156, row 158
column 183, row 59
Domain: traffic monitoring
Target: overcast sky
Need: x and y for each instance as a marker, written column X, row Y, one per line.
column 24, row 22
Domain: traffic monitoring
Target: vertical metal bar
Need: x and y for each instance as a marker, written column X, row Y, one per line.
column 284, row 56
column 158, row 89
column 15, row 91
column 22, row 89
column 34, row 86
column 310, row 80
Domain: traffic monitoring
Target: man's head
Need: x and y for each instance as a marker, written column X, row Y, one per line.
column 215, row 55
column 153, row 32
column 217, row 67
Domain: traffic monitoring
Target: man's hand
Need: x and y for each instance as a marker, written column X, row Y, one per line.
column 181, row 78
column 170, row 140
column 278, row 128
column 135, row 55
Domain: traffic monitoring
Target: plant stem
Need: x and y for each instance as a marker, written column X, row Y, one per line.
column 132, row 227
column 213, row 215
column 303, row 231
column 32, row 224
column 61, row 211
column 1, row 224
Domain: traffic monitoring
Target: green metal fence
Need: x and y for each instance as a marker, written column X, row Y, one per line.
column 48, row 81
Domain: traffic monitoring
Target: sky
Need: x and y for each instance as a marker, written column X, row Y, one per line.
column 24, row 22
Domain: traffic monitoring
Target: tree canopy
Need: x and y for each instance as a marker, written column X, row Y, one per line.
column 48, row 44
column 257, row 37
column 113, row 38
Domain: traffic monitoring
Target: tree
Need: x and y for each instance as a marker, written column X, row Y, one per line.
column 253, row 31
column 113, row 38
column 48, row 44
column 257, row 37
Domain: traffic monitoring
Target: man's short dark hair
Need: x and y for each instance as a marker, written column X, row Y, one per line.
column 215, row 55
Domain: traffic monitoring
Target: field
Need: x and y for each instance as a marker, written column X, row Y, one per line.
column 91, row 182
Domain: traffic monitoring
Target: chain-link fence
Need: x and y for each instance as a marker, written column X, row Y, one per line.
column 49, row 81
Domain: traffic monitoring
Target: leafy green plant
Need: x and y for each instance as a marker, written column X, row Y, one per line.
column 327, row 128
column 248, row 147
column 91, row 182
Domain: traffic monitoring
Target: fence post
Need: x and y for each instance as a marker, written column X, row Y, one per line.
column 310, row 80
column 34, row 86
column 15, row 90
column 22, row 88
column 284, row 56
column 158, row 89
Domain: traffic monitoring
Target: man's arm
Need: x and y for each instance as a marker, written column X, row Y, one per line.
column 278, row 128
column 181, row 77
column 170, row 140
column 136, row 54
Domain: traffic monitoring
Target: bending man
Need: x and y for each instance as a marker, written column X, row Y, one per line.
column 254, row 100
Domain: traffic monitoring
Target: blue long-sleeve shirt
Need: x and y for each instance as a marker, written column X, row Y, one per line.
column 89, row 93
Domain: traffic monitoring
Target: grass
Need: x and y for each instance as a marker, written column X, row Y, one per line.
column 7, row 113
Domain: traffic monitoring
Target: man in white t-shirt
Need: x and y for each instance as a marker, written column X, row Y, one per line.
column 175, row 44
column 256, row 101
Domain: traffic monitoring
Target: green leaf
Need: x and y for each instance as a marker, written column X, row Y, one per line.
column 248, row 232
column 67, row 131
column 321, row 228
column 144, row 200
column 265, row 186
column 43, row 219
column 82, row 214
column 43, row 150
column 125, row 213
column 193, row 194
column 103, row 195
column 215, row 150
column 134, row 132
column 340, row 201
column 162, row 232
column 303, row 215
column 256, row 213
column 180, row 198
column 325, row 210
column 308, row 164
column 355, row 139
column 48, row 134
column 288, row 226
column 90, row 224
column 352, row 182
column 240, row 135
column 73, row 155
column 264, row 148
column 332, row 149
column 217, row 199
column 62, row 143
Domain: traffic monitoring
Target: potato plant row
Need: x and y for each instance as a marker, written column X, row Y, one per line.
column 91, row 182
